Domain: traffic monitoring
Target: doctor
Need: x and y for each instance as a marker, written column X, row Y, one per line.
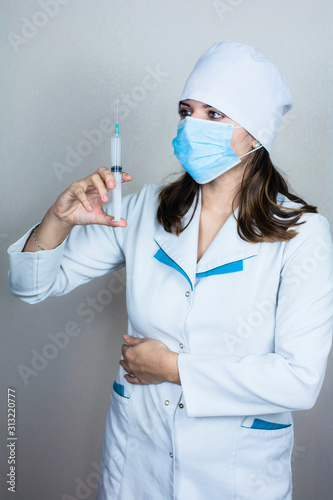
column 229, row 296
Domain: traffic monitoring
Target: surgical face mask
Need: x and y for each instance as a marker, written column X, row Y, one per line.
column 203, row 148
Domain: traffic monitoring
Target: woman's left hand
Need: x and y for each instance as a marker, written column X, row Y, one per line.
column 148, row 361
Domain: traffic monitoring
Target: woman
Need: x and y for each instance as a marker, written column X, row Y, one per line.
column 229, row 296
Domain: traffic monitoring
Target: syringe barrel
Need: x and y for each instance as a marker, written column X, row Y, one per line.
column 116, row 196
column 116, row 153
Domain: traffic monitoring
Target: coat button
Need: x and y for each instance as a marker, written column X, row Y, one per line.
column 166, row 402
column 181, row 346
column 187, row 294
column 170, row 455
column 181, row 405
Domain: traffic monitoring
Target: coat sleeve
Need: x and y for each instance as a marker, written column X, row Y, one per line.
column 291, row 377
column 88, row 252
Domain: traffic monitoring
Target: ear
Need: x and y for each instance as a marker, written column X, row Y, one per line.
column 256, row 144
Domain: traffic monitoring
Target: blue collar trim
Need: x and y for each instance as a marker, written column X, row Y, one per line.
column 231, row 267
column 161, row 256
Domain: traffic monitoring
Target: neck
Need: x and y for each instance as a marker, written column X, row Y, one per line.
column 218, row 195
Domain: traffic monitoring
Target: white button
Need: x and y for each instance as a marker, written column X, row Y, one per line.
column 187, row 294
column 166, row 402
column 170, row 455
column 181, row 346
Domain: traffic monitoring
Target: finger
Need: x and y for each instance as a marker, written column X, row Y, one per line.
column 133, row 380
column 99, row 184
column 119, row 223
column 111, row 183
column 109, row 179
column 124, row 348
column 80, row 194
column 126, row 177
column 125, row 366
column 107, row 176
column 132, row 340
column 108, row 220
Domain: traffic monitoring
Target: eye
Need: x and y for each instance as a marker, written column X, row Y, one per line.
column 184, row 112
column 215, row 115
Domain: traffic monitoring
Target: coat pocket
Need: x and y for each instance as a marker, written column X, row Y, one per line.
column 265, row 425
column 115, row 440
column 262, row 461
column 119, row 389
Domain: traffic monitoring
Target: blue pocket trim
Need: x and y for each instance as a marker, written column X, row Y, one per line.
column 268, row 426
column 119, row 389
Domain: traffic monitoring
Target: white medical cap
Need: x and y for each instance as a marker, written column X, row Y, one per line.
column 244, row 84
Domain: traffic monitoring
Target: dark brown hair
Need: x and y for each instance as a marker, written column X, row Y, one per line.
column 260, row 217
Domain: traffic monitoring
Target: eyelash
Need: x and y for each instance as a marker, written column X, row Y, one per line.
column 186, row 112
column 216, row 113
column 183, row 112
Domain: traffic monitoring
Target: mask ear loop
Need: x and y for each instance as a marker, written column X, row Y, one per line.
column 252, row 150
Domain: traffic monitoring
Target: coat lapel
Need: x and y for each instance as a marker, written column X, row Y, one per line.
column 182, row 249
column 225, row 254
column 226, row 248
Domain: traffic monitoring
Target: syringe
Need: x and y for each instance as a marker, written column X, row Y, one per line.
column 116, row 169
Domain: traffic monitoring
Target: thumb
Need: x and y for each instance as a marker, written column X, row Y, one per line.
column 132, row 340
column 108, row 220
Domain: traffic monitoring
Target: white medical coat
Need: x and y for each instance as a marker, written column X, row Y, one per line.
column 252, row 324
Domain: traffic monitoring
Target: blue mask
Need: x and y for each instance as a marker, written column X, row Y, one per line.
column 203, row 148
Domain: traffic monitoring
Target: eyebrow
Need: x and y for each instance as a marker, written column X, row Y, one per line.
column 188, row 105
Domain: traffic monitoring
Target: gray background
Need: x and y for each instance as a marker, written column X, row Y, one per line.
column 62, row 72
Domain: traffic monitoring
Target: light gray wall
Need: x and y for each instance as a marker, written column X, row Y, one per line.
column 62, row 78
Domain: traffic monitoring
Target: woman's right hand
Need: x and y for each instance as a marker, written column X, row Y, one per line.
column 82, row 202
